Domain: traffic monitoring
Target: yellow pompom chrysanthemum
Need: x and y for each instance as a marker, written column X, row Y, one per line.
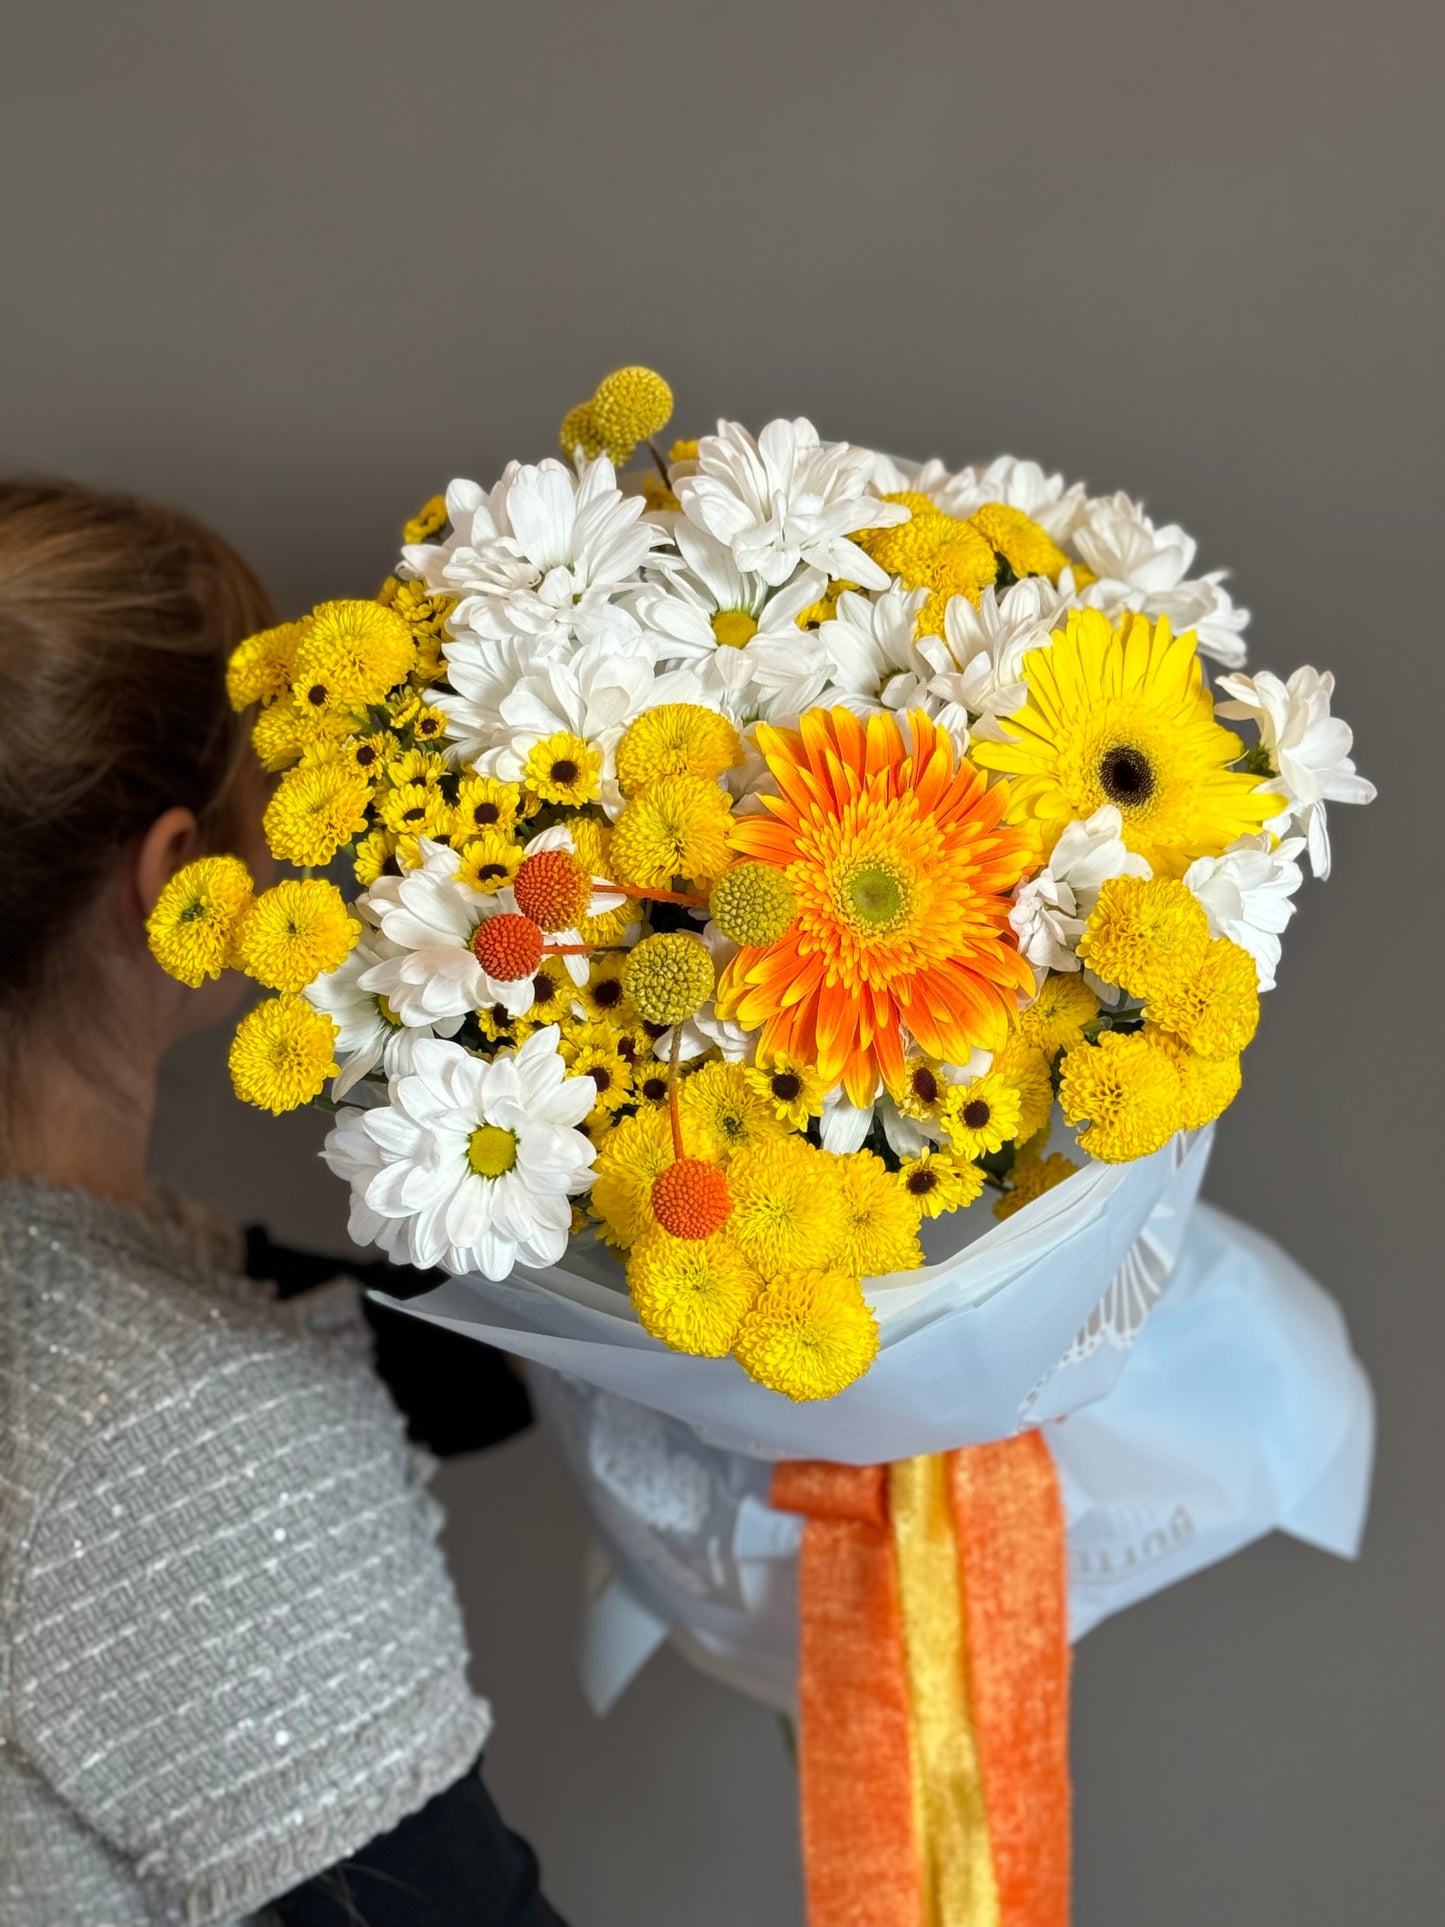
column 192, row 929
column 358, row 650
column 261, row 666
column 808, row 1336
column 315, row 811
column 731, row 1112
column 281, row 1055
column 676, row 739
column 627, row 1164
column 786, row 1204
column 877, row 1218
column 1055, row 1020
column 677, row 826
column 1145, row 933
column 295, row 933
column 1207, row 1085
column 1127, row 1090
column 1215, row 1009
column 692, row 1293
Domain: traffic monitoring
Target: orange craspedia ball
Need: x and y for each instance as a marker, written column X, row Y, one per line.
column 553, row 889
column 690, row 1198
column 508, row 947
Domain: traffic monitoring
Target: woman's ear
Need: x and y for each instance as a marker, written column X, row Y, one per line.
column 173, row 839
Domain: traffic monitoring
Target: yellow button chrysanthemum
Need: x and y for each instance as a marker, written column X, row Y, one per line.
column 877, row 1220
column 1031, row 1179
column 1025, row 1069
column 808, row 1336
column 627, row 1165
column 676, row 739
column 732, row 1113
column 294, row 933
column 1127, row 1090
column 281, row 1055
column 787, row 1206
column 1055, row 1020
column 192, row 929
column 1207, row 1085
column 692, row 1293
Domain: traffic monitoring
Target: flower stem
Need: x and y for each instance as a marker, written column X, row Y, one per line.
column 674, row 1107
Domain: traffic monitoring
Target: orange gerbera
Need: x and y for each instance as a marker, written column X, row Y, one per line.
column 902, row 867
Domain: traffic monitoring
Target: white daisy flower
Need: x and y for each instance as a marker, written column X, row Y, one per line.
column 1246, row 895
column 872, row 653
column 785, row 499
column 593, row 694
column 1307, row 747
column 1045, row 499
column 978, row 664
column 430, row 918
column 471, row 1164
column 1050, row 910
column 1146, row 569
column 368, row 1036
column 720, row 622
column 539, row 552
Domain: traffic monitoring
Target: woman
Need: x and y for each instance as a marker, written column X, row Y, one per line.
column 232, row 1671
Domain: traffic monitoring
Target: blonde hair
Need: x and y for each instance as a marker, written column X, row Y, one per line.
column 116, row 618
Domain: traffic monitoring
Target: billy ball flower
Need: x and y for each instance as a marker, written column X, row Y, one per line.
column 282, row 1054
column 553, row 889
column 294, row 933
column 192, row 929
column 753, row 903
column 669, row 977
column 508, row 947
column 627, row 407
column 808, row 1335
column 690, row 1198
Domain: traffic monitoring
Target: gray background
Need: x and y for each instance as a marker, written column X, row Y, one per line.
column 296, row 265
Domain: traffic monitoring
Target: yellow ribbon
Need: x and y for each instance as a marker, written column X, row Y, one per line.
column 959, row 1884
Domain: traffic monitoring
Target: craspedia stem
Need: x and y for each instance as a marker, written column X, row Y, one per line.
column 674, row 1083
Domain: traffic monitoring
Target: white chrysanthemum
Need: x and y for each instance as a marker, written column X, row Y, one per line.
column 1246, row 895
column 975, row 670
column 430, row 918
column 1045, row 499
column 1307, row 747
column 538, row 553
column 1050, row 910
column 1146, row 569
column 368, row 1036
column 873, row 658
column 482, row 675
column 471, row 1164
column 592, row 694
column 720, row 622
column 787, row 498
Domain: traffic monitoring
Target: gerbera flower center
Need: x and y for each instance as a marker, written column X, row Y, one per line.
column 734, row 627
column 1126, row 774
column 873, row 897
column 491, row 1151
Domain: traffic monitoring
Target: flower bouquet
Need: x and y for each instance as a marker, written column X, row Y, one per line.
column 810, row 909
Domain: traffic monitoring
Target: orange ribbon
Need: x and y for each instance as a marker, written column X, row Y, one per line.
column 933, row 1689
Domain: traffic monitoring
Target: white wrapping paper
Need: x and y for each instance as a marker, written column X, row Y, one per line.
column 1241, row 1410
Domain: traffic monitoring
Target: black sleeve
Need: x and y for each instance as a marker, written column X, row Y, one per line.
column 457, row 1395
column 454, row 1864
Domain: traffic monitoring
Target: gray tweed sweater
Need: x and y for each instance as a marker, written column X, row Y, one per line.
column 230, row 1653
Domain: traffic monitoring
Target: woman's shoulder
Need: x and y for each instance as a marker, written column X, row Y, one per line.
column 131, row 1337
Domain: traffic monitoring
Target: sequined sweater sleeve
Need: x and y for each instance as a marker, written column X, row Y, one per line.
column 234, row 1654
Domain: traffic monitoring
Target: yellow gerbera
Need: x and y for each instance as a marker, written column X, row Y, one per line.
column 1122, row 715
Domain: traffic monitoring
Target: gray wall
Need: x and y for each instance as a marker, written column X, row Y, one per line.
column 295, row 265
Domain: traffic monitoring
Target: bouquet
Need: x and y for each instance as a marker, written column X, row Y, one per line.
column 809, row 909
